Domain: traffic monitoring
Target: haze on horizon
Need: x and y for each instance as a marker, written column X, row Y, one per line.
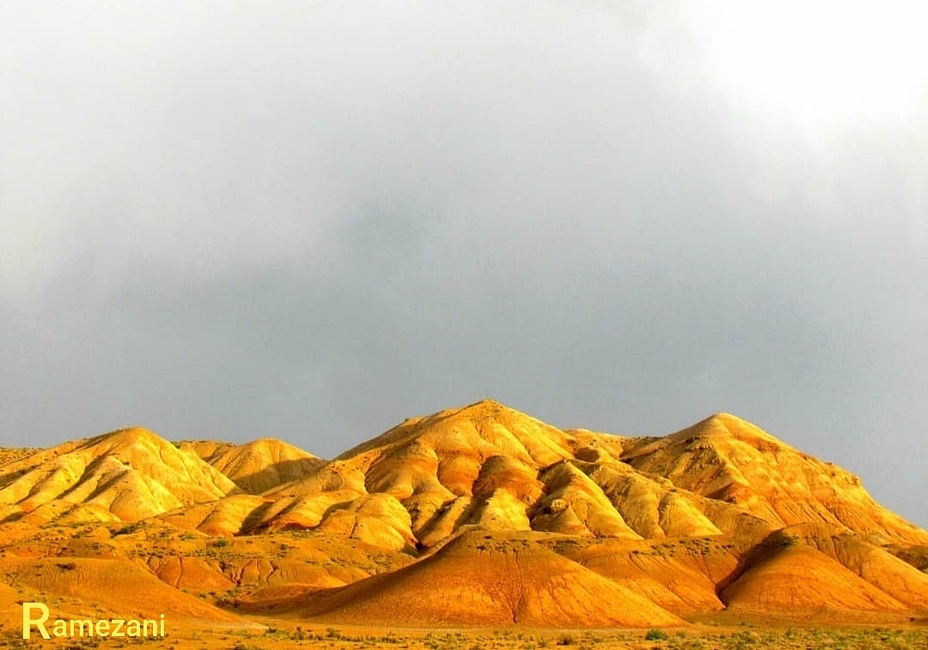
column 307, row 221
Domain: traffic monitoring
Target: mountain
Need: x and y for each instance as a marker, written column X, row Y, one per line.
column 727, row 459
column 256, row 466
column 491, row 466
column 477, row 515
column 129, row 474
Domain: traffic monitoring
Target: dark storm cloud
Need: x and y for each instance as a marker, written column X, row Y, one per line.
column 222, row 220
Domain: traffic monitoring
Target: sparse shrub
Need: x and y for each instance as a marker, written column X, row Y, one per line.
column 241, row 645
column 128, row 529
column 656, row 635
column 741, row 641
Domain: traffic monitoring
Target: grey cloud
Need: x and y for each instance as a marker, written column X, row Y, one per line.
column 220, row 220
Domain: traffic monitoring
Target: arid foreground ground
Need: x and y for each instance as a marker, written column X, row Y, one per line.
column 475, row 527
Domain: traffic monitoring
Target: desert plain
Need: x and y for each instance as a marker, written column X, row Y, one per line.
column 473, row 527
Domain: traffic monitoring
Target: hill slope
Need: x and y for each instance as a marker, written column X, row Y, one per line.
column 256, row 466
column 487, row 579
column 130, row 473
column 730, row 460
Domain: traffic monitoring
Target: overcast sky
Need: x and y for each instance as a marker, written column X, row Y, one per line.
column 310, row 220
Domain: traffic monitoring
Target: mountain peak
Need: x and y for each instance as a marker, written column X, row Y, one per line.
column 486, row 408
column 727, row 425
column 258, row 465
column 129, row 435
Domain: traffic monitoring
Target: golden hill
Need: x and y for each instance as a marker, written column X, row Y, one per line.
column 483, row 464
column 479, row 515
column 485, row 579
column 111, row 585
column 130, row 473
column 256, row 466
column 727, row 459
column 798, row 581
column 491, row 466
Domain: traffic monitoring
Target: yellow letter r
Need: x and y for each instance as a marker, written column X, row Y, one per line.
column 28, row 621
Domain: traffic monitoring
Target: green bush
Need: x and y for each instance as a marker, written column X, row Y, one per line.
column 656, row 635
